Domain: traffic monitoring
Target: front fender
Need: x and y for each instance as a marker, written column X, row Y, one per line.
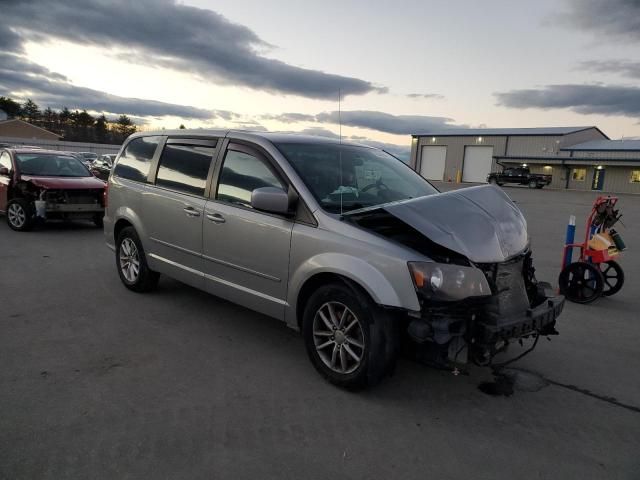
column 364, row 274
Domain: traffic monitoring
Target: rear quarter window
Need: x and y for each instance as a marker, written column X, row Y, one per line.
column 135, row 161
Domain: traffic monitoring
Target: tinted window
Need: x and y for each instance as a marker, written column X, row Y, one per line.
column 135, row 161
column 184, row 168
column 241, row 174
column 5, row 161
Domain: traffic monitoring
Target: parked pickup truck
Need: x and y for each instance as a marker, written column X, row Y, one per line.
column 519, row 175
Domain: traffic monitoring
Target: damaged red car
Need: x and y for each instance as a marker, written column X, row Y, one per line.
column 38, row 185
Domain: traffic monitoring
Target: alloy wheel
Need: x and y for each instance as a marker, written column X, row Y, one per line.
column 338, row 337
column 17, row 215
column 129, row 260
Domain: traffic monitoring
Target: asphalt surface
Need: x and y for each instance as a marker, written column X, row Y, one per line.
column 100, row 382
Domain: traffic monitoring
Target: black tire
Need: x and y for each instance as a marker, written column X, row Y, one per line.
column 20, row 215
column 493, row 181
column 146, row 279
column 581, row 282
column 539, row 187
column 97, row 220
column 533, row 184
column 379, row 337
column 613, row 277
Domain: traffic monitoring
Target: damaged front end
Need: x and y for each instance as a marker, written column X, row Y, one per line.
column 479, row 291
column 49, row 202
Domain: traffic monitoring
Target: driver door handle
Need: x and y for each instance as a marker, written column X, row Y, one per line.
column 216, row 217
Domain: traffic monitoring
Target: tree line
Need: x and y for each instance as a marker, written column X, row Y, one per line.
column 73, row 126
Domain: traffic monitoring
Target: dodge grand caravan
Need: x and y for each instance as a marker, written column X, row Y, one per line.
column 341, row 241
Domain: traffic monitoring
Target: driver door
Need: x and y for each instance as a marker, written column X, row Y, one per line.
column 245, row 251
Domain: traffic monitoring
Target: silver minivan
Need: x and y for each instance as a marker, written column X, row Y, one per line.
column 341, row 241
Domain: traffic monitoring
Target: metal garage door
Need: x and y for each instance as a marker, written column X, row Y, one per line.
column 477, row 163
column 432, row 163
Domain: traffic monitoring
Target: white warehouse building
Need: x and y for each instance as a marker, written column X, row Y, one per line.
column 581, row 158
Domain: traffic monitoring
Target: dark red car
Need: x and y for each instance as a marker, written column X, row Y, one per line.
column 43, row 184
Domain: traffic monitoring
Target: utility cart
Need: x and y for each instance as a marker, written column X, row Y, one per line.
column 596, row 272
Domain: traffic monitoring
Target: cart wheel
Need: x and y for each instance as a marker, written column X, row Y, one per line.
column 613, row 277
column 581, row 282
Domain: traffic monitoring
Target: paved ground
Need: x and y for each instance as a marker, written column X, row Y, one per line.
column 98, row 382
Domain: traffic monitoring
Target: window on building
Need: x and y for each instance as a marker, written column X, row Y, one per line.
column 579, row 174
column 135, row 161
column 635, row 176
column 184, row 168
column 241, row 174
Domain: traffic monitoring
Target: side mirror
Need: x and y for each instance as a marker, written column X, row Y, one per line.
column 270, row 199
column 4, row 171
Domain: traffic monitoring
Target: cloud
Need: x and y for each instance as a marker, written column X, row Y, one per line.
column 623, row 67
column 290, row 117
column 428, row 96
column 372, row 120
column 165, row 32
column 616, row 18
column 21, row 78
column 385, row 122
column 586, row 99
column 403, row 152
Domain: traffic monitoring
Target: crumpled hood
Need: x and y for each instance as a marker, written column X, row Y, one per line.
column 481, row 223
column 64, row 183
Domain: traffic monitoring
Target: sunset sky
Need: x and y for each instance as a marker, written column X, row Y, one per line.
column 402, row 66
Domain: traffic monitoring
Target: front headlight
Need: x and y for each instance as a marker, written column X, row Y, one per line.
column 439, row 281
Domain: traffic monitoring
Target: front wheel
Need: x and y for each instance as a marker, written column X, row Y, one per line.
column 533, row 184
column 20, row 215
column 131, row 261
column 350, row 341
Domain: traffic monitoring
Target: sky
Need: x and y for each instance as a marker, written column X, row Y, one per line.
column 398, row 67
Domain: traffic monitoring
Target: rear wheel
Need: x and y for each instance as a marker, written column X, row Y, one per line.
column 581, row 282
column 97, row 220
column 533, row 184
column 493, row 181
column 131, row 261
column 349, row 339
column 20, row 215
column 613, row 276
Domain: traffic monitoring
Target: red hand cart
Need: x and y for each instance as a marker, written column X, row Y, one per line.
column 596, row 272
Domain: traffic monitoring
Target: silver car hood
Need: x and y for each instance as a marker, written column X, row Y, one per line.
column 481, row 223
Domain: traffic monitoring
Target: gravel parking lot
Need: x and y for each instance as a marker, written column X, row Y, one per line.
column 100, row 382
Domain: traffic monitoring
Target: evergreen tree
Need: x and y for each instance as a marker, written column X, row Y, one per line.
column 10, row 107
column 30, row 111
column 124, row 126
column 50, row 119
column 101, row 128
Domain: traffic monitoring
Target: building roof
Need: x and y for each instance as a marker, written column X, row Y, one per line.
column 27, row 125
column 607, row 146
column 492, row 132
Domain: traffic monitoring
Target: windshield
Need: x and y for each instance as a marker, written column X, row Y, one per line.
column 346, row 177
column 51, row 165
